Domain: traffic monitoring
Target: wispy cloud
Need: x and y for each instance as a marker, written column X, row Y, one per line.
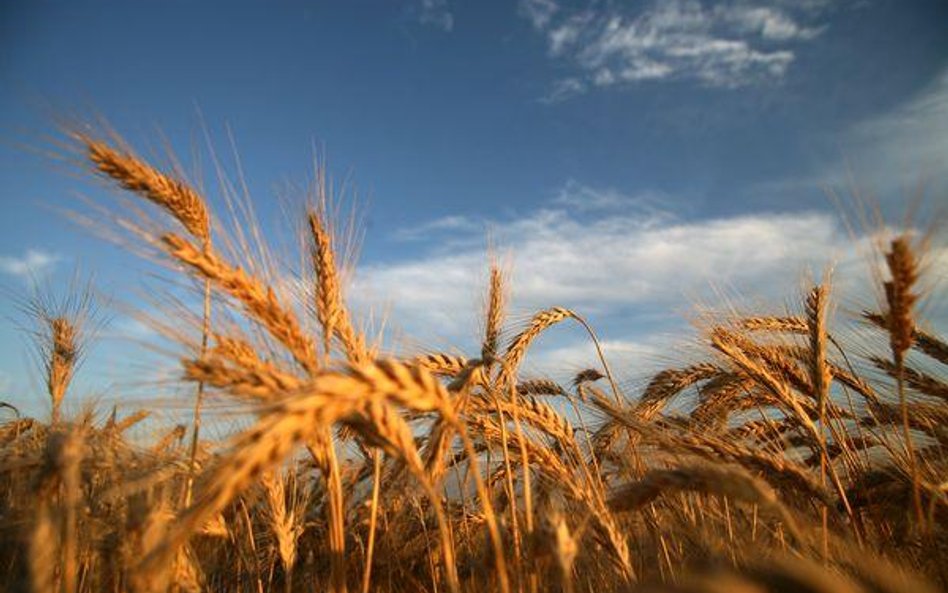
column 887, row 154
column 910, row 140
column 577, row 197
column 728, row 45
column 437, row 226
column 436, row 13
column 538, row 12
column 33, row 264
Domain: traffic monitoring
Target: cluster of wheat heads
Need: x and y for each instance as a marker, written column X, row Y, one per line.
column 783, row 461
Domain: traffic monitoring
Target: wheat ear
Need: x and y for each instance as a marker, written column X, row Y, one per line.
column 174, row 196
column 330, row 307
column 63, row 354
column 903, row 270
column 186, row 206
column 496, row 308
column 668, row 383
column 258, row 299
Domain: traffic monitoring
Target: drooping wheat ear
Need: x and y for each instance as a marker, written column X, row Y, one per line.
column 717, row 399
column 926, row 342
column 496, row 308
column 441, row 364
column 62, row 361
column 257, row 298
column 261, row 382
column 921, row 382
column 172, row 195
column 931, row 345
column 732, row 482
column 129, row 421
column 186, row 206
column 330, row 307
column 328, row 398
column 668, row 383
column 537, row 414
column 794, row 325
column 517, row 349
column 540, row 387
column 730, row 345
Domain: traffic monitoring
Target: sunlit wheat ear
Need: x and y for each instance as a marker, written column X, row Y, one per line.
column 793, row 325
column 730, row 345
column 496, row 310
column 283, row 521
column 926, row 342
column 62, row 360
column 447, row 365
column 820, row 374
column 668, row 383
column 172, row 195
column 329, row 398
column 258, row 299
column 899, row 295
column 540, row 387
column 536, row 414
column 330, row 308
column 517, row 349
column 903, row 269
column 263, row 382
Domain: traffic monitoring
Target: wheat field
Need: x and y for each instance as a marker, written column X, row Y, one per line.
column 788, row 459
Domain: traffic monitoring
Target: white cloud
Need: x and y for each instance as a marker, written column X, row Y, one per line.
column 768, row 22
column 563, row 362
column 33, row 264
column 576, row 197
column 538, row 12
column 729, row 45
column 564, row 89
column 436, row 13
column 603, row 263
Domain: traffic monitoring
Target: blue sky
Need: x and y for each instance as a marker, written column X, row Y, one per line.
column 627, row 159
